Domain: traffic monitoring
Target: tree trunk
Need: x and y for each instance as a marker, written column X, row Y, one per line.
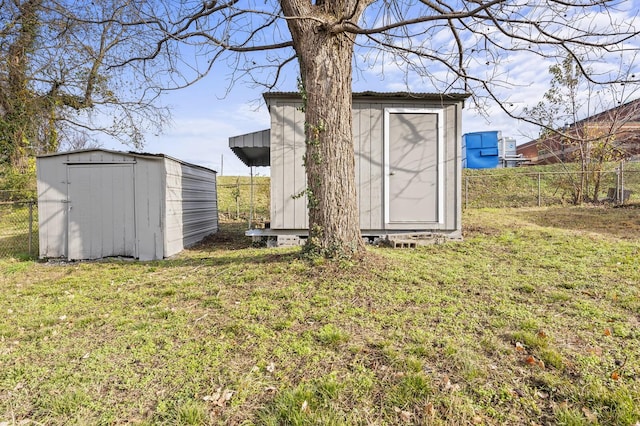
column 18, row 107
column 325, row 58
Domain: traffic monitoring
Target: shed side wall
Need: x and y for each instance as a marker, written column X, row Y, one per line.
column 191, row 205
column 288, row 177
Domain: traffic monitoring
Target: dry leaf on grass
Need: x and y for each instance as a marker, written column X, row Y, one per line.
column 405, row 416
column 448, row 386
column 591, row 417
column 596, row 350
column 429, row 411
column 220, row 397
column 541, row 394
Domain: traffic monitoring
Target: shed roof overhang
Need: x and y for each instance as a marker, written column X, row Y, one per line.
column 253, row 149
column 370, row 96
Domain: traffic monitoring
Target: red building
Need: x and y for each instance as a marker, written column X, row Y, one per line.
column 618, row 129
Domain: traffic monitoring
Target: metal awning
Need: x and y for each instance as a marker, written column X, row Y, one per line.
column 253, row 149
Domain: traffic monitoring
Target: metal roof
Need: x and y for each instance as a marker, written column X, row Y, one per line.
column 129, row 153
column 253, row 149
column 382, row 95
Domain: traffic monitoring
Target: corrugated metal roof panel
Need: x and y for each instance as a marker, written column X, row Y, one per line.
column 381, row 95
column 253, row 149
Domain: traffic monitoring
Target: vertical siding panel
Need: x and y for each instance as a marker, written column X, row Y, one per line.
column 126, row 215
column 376, row 136
column 149, row 209
column 357, row 149
column 288, row 173
column 300, row 178
column 277, row 167
column 106, row 186
column 289, row 182
column 362, row 141
column 173, row 208
column 451, row 167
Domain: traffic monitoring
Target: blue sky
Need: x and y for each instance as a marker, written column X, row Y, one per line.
column 204, row 115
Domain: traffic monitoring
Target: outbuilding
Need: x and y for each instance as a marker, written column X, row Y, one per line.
column 99, row 203
column 408, row 163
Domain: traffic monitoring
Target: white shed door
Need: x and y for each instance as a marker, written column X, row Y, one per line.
column 101, row 211
column 413, row 144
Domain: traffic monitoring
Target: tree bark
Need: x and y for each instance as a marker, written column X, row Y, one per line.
column 325, row 57
column 16, row 101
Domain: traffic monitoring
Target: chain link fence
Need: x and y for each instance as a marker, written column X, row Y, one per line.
column 18, row 228
column 520, row 187
column 240, row 201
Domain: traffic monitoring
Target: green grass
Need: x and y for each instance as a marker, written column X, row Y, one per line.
column 234, row 197
column 229, row 334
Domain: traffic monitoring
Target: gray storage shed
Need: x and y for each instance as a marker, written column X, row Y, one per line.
column 97, row 203
column 407, row 152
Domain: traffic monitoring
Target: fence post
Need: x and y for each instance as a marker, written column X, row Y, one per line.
column 238, row 198
column 621, row 182
column 539, row 190
column 251, row 200
column 30, row 226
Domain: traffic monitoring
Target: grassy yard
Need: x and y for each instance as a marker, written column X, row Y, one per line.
column 533, row 319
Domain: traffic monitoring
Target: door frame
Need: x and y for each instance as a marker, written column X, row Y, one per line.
column 439, row 112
